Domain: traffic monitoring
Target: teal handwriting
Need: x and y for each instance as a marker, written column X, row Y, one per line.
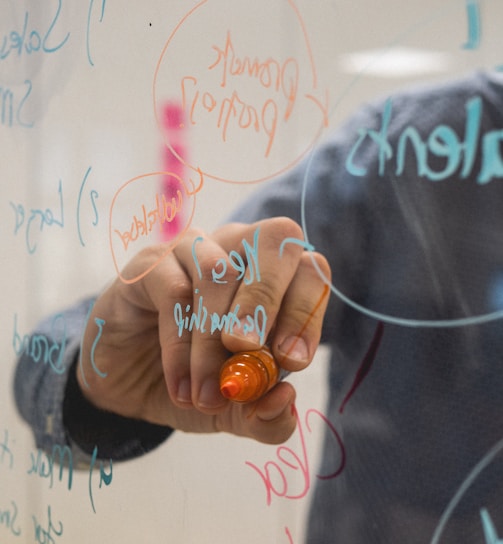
column 6, row 455
column 236, row 262
column 34, row 222
column 12, row 104
column 104, row 476
column 93, row 196
column 490, row 534
column 47, row 533
column 8, row 519
column 48, row 350
column 42, row 464
column 475, row 473
column 443, row 143
column 56, row 468
column 29, row 39
column 474, row 29
column 100, row 323
column 36, row 219
column 88, row 33
column 188, row 319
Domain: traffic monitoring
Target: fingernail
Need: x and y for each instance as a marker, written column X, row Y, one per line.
column 245, row 331
column 209, row 394
column 295, row 348
column 183, row 394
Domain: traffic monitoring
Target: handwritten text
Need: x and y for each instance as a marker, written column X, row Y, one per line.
column 443, row 145
column 279, row 476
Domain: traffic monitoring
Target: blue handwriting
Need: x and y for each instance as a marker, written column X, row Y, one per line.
column 105, row 477
column 42, row 464
column 197, row 320
column 12, row 104
column 6, row 454
column 37, row 217
column 100, row 324
column 88, row 33
column 490, row 534
column 237, row 262
column 489, row 529
column 24, row 41
column 93, row 195
column 35, row 221
column 474, row 29
column 8, row 519
column 443, row 142
column 295, row 241
column 47, row 534
column 48, row 350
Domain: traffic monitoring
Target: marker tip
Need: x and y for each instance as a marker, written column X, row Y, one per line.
column 230, row 388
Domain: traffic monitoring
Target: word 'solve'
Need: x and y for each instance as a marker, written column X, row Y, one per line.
column 247, row 376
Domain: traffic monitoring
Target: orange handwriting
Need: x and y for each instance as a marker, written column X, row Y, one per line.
column 269, row 73
column 231, row 108
column 163, row 211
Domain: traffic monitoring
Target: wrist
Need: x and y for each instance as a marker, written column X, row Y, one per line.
column 114, row 435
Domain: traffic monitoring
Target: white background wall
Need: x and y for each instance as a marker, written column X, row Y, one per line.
column 97, row 112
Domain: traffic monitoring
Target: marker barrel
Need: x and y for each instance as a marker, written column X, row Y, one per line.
column 248, row 375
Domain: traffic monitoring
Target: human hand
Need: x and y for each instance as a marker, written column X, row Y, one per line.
column 154, row 361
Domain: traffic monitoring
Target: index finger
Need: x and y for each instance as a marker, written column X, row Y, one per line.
column 271, row 265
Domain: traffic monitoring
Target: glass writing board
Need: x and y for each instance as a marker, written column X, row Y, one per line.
column 123, row 126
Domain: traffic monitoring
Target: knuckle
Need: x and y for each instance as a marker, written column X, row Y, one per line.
column 181, row 288
column 305, row 318
column 278, row 229
column 260, row 294
column 210, row 265
column 317, row 263
column 274, row 432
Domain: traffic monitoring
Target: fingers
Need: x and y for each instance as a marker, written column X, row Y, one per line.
column 270, row 420
column 251, row 284
column 212, row 312
column 167, row 292
column 286, row 295
column 298, row 326
column 274, row 421
column 271, row 265
column 236, row 290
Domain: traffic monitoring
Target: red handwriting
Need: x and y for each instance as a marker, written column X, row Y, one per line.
column 365, row 365
column 279, row 475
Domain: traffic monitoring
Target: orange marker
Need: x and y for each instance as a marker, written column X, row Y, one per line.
column 248, row 375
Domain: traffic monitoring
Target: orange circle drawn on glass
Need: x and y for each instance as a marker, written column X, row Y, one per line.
column 243, row 99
